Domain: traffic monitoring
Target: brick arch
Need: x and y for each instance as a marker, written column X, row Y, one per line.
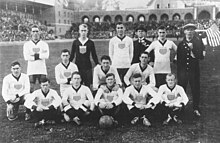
column 188, row 16
column 107, row 18
column 130, row 18
column 95, row 18
column 118, row 18
column 164, row 17
column 153, row 17
column 204, row 15
column 176, row 17
column 141, row 17
column 84, row 18
column 218, row 15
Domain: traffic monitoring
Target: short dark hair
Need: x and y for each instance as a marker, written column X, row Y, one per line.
column 35, row 26
column 44, row 79
column 136, row 75
column 105, row 57
column 162, row 27
column 119, row 23
column 15, row 63
column 144, row 53
column 171, row 74
column 76, row 73
column 65, row 51
column 109, row 74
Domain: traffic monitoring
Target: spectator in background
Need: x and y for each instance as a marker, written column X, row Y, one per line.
column 81, row 50
column 36, row 52
column 121, row 51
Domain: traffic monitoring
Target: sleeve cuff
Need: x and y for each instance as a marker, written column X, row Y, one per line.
column 66, row 108
column 152, row 103
column 133, row 103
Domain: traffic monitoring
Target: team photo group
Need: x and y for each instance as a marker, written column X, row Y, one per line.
column 134, row 83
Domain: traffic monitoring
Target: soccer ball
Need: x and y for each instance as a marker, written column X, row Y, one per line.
column 105, row 121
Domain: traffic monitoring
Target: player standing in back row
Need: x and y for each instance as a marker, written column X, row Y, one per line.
column 121, row 51
column 81, row 49
column 36, row 52
column 162, row 48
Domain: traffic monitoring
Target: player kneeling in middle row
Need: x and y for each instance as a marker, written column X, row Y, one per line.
column 44, row 104
column 173, row 99
column 77, row 100
column 140, row 100
column 109, row 97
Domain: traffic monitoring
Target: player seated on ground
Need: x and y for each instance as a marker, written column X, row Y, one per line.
column 77, row 100
column 15, row 89
column 141, row 100
column 144, row 69
column 109, row 97
column 64, row 70
column 100, row 71
column 44, row 104
column 173, row 99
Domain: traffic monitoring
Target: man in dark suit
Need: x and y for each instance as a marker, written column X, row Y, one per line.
column 190, row 50
column 141, row 44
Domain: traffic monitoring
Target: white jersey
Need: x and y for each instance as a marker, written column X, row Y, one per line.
column 44, row 100
column 107, row 95
column 99, row 76
column 145, row 96
column 36, row 66
column 162, row 55
column 12, row 86
column 62, row 73
column 121, row 51
column 176, row 95
column 77, row 97
column 145, row 73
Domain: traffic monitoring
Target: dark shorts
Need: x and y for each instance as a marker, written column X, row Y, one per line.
column 34, row 78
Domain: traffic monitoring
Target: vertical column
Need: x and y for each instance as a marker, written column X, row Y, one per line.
column 195, row 13
column 213, row 13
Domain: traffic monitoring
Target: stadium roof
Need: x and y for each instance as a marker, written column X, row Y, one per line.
column 46, row 2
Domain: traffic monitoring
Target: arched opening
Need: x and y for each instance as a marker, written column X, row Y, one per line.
column 188, row 16
column 204, row 15
column 130, row 18
column 96, row 19
column 164, row 17
column 141, row 18
column 152, row 17
column 107, row 18
column 85, row 19
column 118, row 18
column 176, row 17
column 218, row 15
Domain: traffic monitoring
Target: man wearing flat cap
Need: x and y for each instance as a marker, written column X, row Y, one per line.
column 141, row 44
column 190, row 50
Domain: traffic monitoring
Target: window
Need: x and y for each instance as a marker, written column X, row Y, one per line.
column 168, row 5
column 59, row 13
column 64, row 21
column 64, row 14
column 158, row 6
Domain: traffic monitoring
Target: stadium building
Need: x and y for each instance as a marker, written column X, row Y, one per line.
column 60, row 14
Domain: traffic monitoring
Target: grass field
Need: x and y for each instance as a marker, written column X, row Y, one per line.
column 204, row 130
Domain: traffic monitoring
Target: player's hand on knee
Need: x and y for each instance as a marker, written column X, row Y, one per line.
column 102, row 105
column 39, row 109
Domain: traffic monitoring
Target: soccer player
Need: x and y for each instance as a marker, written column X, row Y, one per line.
column 140, row 100
column 81, row 50
column 189, row 52
column 15, row 89
column 109, row 98
column 64, row 70
column 121, row 51
column 144, row 69
column 36, row 52
column 44, row 104
column 141, row 44
column 100, row 72
column 173, row 99
column 77, row 100
column 162, row 48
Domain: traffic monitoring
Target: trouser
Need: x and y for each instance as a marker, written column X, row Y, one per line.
column 51, row 114
column 33, row 80
column 12, row 108
column 111, row 112
column 160, row 79
column 72, row 113
column 170, row 110
column 192, row 76
column 135, row 112
column 86, row 75
column 122, row 72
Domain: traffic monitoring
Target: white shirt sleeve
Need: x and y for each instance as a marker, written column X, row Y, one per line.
column 5, row 88
column 26, row 89
column 59, row 77
column 45, row 52
column 95, row 78
column 128, row 75
column 131, row 50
